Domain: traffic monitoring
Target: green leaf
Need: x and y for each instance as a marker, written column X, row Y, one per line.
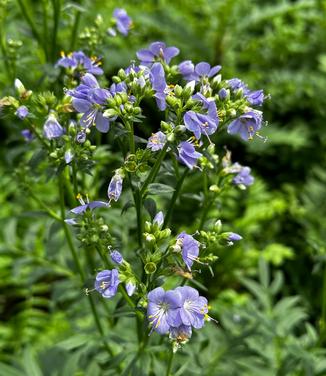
column 6, row 370
column 159, row 189
column 150, row 206
column 74, row 342
column 30, row 364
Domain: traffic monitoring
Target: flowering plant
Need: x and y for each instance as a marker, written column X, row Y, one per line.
column 155, row 275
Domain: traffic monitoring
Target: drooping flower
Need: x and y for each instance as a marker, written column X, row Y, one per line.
column 68, row 156
column 123, row 21
column 88, row 99
column 52, row 129
column 27, row 134
column 189, row 248
column 202, row 123
column 187, row 154
column 87, row 205
column 233, row 237
column 246, row 125
column 197, row 72
column 255, row 98
column 163, row 309
column 181, row 334
column 159, row 219
column 116, row 257
column 243, row 177
column 193, row 308
column 131, row 288
column 156, row 141
column 157, row 51
column 22, row 112
column 78, row 60
column 107, row 282
column 115, row 187
column 157, row 78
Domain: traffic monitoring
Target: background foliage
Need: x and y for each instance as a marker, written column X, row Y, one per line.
column 269, row 293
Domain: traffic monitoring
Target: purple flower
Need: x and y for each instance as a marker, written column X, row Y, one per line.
column 200, row 123
column 22, row 112
column 243, row 177
column 223, row 93
column 79, row 60
column 115, row 187
column 163, row 309
column 68, row 156
column 156, row 141
column 255, row 98
column 52, row 129
column 107, row 282
column 193, row 308
column 159, row 219
column 157, row 50
column 246, row 125
column 157, row 78
column 81, row 137
column 88, row 99
column 27, row 134
column 187, row 154
column 189, row 248
column 87, row 205
column 233, row 237
column 131, row 288
column 187, row 68
column 123, row 20
column 116, row 257
column 197, row 72
column 181, row 334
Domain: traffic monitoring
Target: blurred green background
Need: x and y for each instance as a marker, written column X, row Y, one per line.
column 269, row 292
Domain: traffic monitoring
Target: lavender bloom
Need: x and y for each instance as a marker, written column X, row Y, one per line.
column 159, row 219
column 157, row 78
column 116, row 257
column 68, row 156
column 123, row 20
column 189, row 248
column 197, row 72
column 163, row 309
column 157, row 50
column 246, row 125
column 87, row 205
column 88, row 98
column 52, row 129
column 200, row 123
column 115, row 187
column 255, row 98
column 81, row 137
column 131, row 288
column 187, row 69
column 181, row 334
column 233, row 237
column 243, row 177
column 187, row 154
column 193, row 308
column 27, row 134
column 156, row 141
column 22, row 112
column 107, row 282
column 79, row 60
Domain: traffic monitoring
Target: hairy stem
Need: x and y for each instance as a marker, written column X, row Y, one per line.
column 169, row 366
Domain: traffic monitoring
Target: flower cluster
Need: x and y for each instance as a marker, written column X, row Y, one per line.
column 176, row 311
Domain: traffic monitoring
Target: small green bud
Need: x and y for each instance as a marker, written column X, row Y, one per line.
column 130, row 166
column 172, row 101
column 110, row 113
column 54, row 155
column 178, row 91
column 116, row 79
column 231, row 112
column 136, row 110
column 122, row 74
column 148, row 226
column 217, row 226
column 214, row 188
column 150, row 268
column 164, row 234
column 149, row 238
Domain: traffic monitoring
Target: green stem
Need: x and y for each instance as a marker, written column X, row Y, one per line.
column 174, row 198
column 45, row 28
column 169, row 367
column 78, row 265
column 74, row 30
column 56, row 5
column 154, row 171
column 74, row 178
column 323, row 314
column 30, row 21
column 44, row 206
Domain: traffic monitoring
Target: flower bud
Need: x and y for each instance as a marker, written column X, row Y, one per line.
column 122, row 74
column 217, row 226
column 172, row 101
column 150, row 268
